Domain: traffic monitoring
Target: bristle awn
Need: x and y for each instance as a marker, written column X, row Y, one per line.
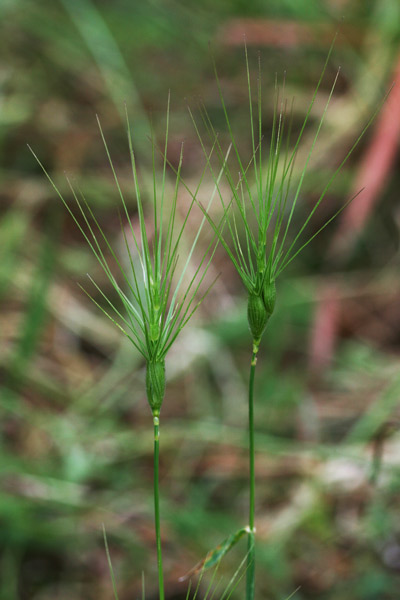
column 256, row 172
column 164, row 174
column 285, row 260
column 304, row 170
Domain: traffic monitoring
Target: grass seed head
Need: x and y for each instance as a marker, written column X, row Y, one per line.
column 153, row 302
column 258, row 228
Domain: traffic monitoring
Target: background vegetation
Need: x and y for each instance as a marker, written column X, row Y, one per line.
column 75, row 435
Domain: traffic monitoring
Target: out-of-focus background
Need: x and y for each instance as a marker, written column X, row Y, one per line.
column 76, row 437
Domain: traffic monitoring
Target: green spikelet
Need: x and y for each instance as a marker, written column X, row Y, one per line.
column 269, row 296
column 155, row 384
column 259, row 309
column 256, row 315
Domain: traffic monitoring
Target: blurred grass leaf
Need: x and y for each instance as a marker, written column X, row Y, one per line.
column 215, row 555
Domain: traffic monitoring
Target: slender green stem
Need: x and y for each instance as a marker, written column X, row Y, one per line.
column 250, row 573
column 157, row 507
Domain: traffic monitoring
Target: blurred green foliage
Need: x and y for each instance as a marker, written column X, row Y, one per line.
column 74, row 431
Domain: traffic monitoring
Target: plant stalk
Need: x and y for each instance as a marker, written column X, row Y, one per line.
column 250, row 572
column 156, row 422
